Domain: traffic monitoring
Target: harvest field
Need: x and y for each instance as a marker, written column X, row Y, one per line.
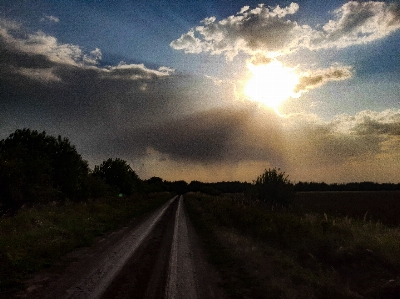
column 324, row 246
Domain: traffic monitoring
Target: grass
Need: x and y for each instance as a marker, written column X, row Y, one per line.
column 37, row 237
column 376, row 206
column 297, row 254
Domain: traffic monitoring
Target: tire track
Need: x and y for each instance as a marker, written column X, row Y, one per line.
column 95, row 284
column 181, row 281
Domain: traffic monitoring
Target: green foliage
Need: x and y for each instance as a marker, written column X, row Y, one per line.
column 273, row 187
column 119, row 174
column 37, row 167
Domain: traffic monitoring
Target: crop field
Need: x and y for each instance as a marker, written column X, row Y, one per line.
column 382, row 206
column 325, row 245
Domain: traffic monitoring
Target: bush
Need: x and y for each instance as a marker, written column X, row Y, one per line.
column 273, row 187
column 119, row 174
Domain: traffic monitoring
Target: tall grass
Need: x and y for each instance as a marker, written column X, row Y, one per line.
column 321, row 255
column 37, row 237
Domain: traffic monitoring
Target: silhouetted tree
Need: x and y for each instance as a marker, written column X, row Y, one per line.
column 155, row 184
column 274, row 187
column 179, row 187
column 35, row 166
column 118, row 173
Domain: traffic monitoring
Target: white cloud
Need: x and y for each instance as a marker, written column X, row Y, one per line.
column 251, row 31
column 135, row 72
column 40, row 56
column 358, row 23
column 50, row 19
column 270, row 31
column 94, row 57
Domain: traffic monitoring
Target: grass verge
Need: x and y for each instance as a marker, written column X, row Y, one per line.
column 37, row 237
column 275, row 254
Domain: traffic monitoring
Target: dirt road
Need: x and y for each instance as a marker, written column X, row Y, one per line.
column 159, row 258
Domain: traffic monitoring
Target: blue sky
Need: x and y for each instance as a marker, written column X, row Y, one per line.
column 161, row 84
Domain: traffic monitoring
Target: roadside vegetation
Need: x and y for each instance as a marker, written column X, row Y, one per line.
column 51, row 202
column 39, row 236
column 265, row 250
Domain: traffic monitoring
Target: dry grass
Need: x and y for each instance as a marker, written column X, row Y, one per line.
column 288, row 254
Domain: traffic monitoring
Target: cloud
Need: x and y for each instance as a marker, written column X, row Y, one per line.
column 215, row 136
column 316, row 78
column 358, row 23
column 50, row 19
column 41, row 57
column 13, row 38
column 135, row 72
column 179, row 126
column 385, row 123
column 269, row 30
column 251, row 31
column 228, row 143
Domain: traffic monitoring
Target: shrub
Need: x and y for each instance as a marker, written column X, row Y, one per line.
column 274, row 187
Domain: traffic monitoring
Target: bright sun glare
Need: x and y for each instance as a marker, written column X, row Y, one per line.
column 271, row 83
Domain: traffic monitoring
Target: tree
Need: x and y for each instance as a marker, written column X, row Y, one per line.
column 35, row 166
column 155, row 184
column 274, row 187
column 118, row 173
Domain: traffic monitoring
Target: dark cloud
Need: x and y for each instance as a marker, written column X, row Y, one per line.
column 213, row 136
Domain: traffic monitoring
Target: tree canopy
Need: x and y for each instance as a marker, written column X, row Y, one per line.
column 35, row 166
column 118, row 173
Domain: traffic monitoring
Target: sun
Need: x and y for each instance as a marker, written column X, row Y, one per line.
column 271, row 83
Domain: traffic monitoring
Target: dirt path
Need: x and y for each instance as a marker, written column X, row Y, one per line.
column 159, row 258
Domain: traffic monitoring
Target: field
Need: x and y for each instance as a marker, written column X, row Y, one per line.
column 382, row 206
column 325, row 246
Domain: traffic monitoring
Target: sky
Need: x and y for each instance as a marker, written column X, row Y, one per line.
column 210, row 90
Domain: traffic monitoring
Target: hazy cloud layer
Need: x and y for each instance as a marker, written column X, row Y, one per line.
column 270, row 30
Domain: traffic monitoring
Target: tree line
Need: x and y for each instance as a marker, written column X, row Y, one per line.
column 36, row 167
